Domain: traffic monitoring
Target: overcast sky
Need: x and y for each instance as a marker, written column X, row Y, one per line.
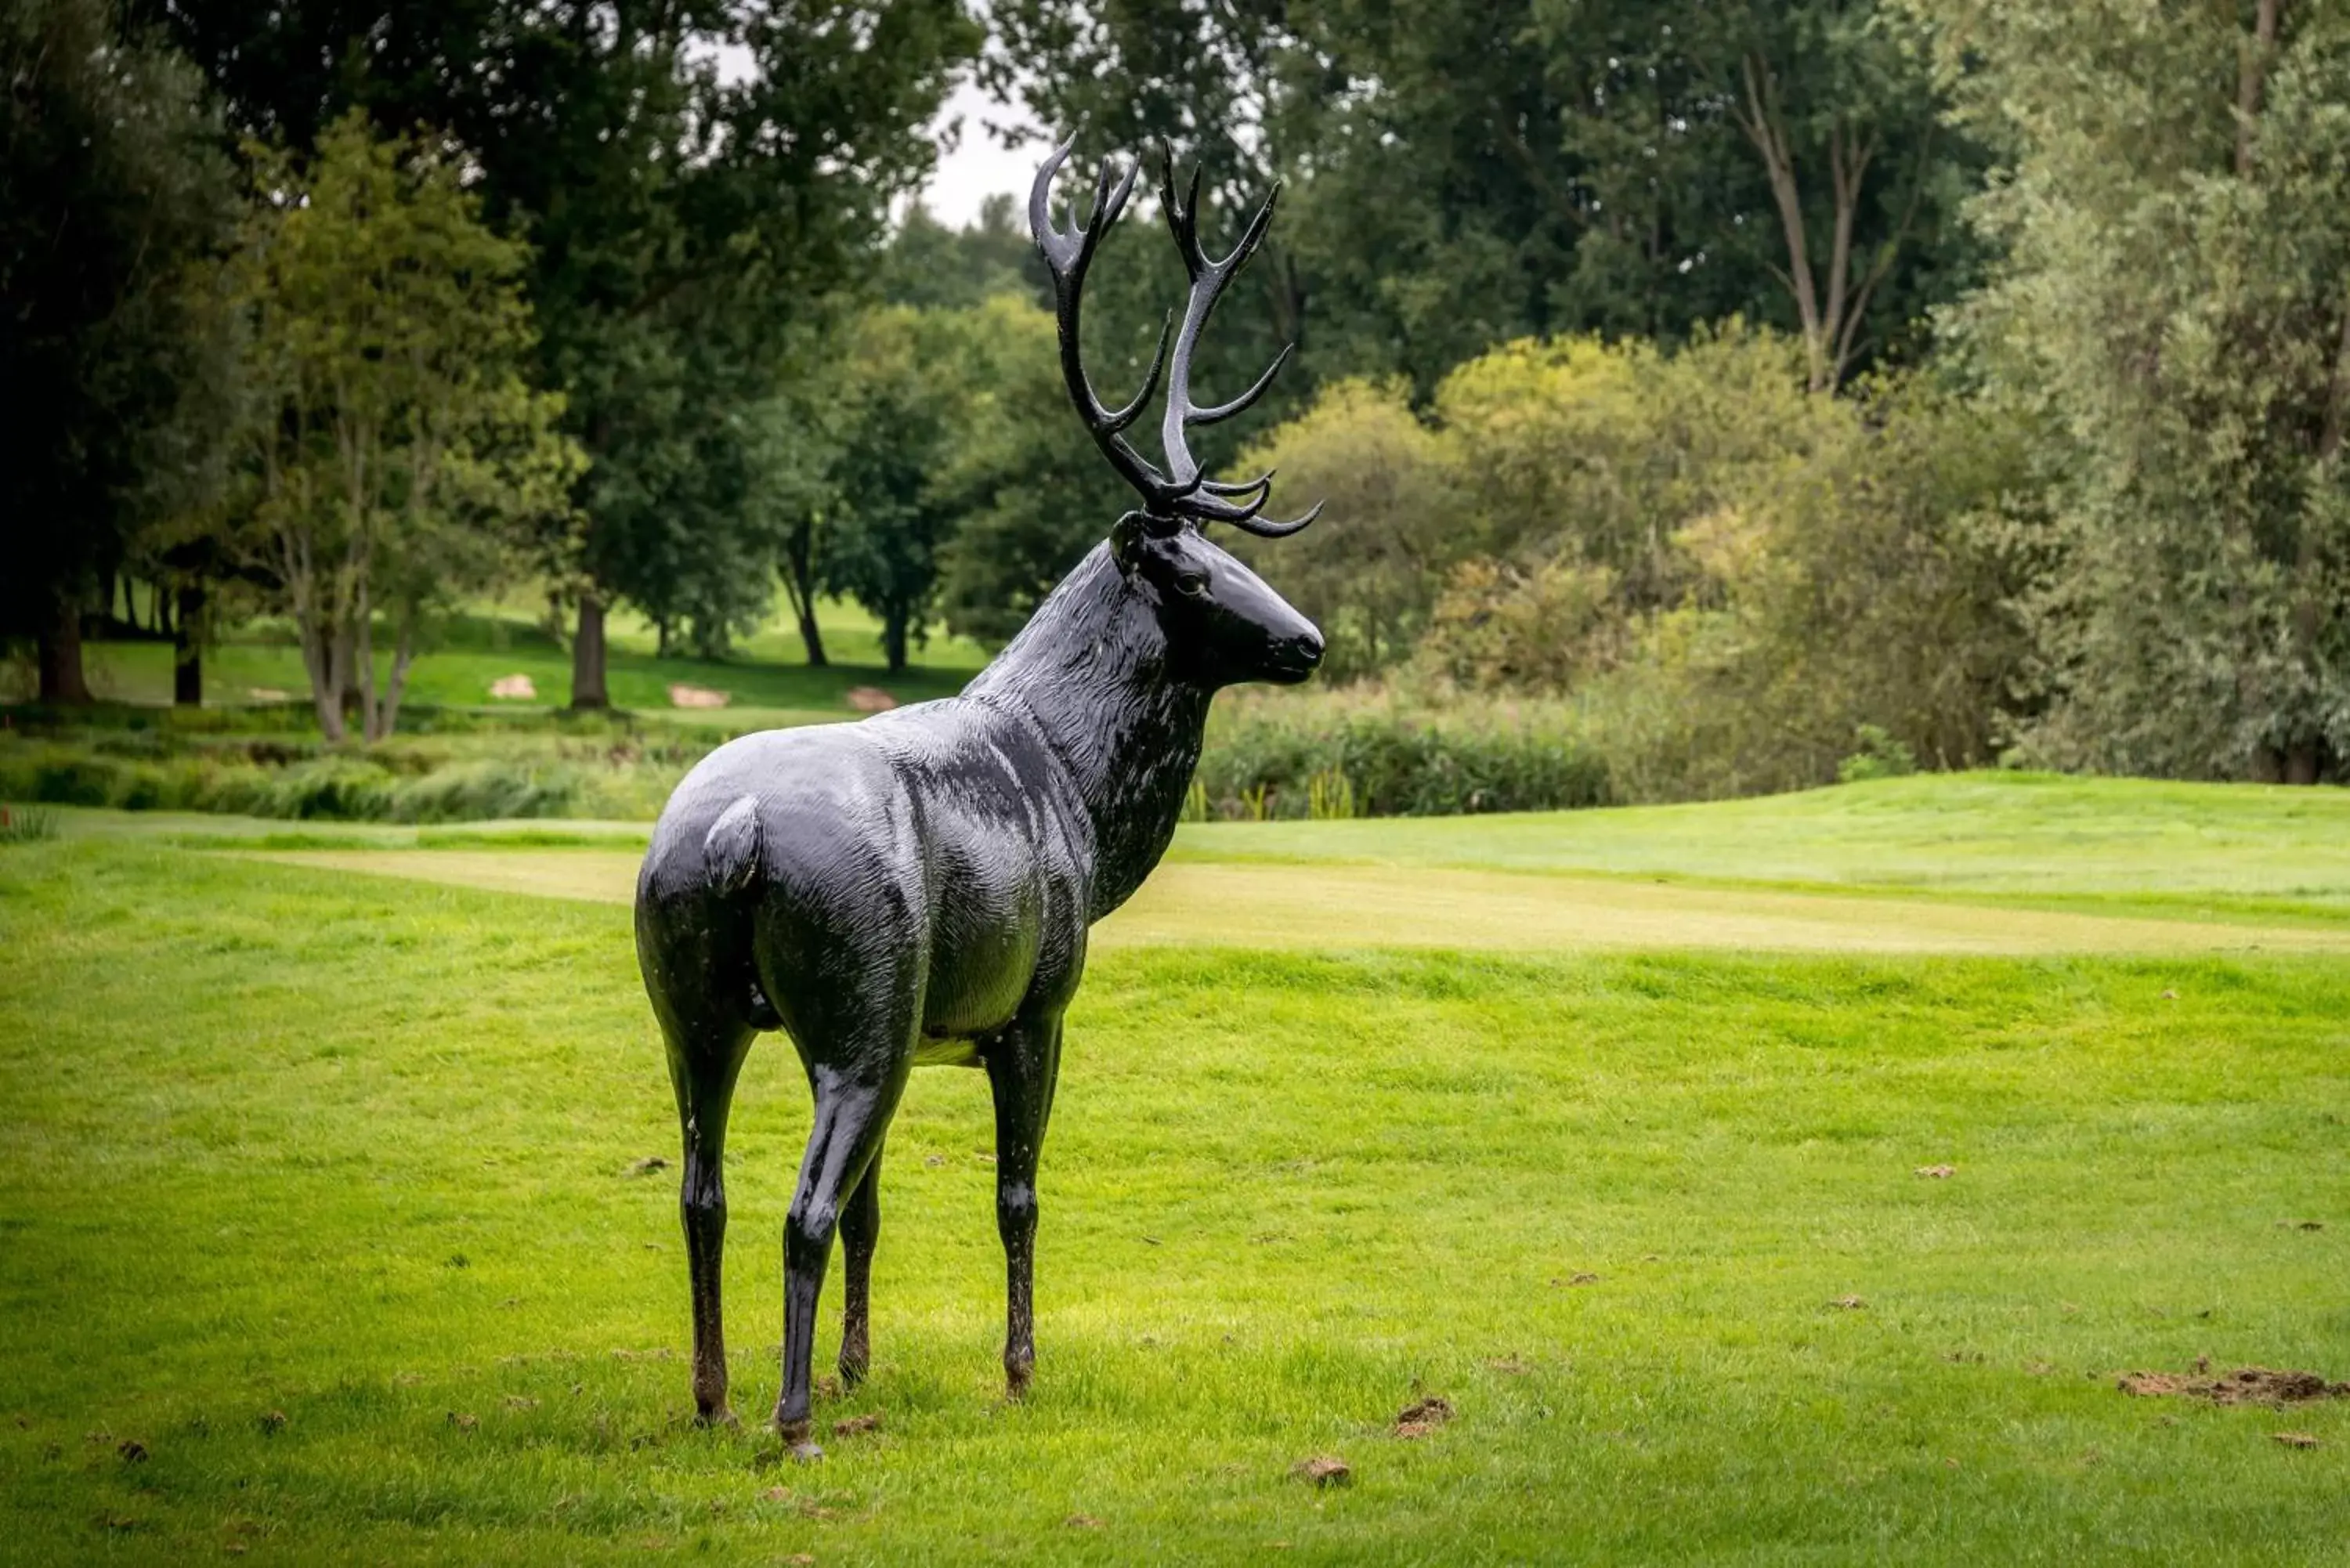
column 979, row 167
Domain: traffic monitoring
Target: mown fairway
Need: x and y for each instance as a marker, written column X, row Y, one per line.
column 356, row 1151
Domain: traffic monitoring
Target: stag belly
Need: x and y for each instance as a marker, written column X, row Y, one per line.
column 1004, row 931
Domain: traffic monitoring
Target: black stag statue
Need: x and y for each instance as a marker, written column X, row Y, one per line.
column 916, row 888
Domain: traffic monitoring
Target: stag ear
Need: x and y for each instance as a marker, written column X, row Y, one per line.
column 1125, row 536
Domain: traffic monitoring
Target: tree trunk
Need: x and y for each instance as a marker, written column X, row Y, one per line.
column 187, row 653
column 343, row 666
column 2251, row 75
column 325, row 678
column 62, row 683
column 811, row 637
column 2301, row 762
column 403, row 654
column 363, row 661
column 588, row 656
column 799, row 586
column 893, row 641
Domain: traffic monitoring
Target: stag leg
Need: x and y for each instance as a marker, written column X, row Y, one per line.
column 703, row 1064
column 860, row 1229
column 850, row 1118
column 1022, row 1066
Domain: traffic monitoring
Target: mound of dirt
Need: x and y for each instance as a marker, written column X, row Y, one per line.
column 2245, row 1386
column 1423, row 1415
column 1323, row 1470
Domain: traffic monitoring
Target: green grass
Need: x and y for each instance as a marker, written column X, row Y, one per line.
column 1984, row 832
column 356, row 1151
column 766, row 674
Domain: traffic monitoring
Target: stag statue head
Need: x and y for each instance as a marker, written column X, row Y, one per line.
column 1218, row 616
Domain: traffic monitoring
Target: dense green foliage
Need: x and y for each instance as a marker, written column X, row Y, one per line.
column 114, row 198
column 686, row 227
column 2172, row 308
column 1542, row 167
column 397, row 462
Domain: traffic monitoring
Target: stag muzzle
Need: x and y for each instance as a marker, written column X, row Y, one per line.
column 1297, row 655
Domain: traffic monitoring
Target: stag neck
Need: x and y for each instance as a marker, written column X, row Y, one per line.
column 1091, row 671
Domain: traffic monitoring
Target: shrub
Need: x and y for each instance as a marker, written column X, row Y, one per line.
column 484, row 790
column 1379, row 755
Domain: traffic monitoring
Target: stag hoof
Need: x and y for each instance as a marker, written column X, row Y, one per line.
column 807, row 1453
column 852, row 1373
column 1016, row 1378
column 722, row 1417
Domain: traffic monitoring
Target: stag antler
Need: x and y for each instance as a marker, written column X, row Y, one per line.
column 1180, row 491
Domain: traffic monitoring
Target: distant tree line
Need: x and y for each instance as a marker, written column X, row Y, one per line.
column 1756, row 376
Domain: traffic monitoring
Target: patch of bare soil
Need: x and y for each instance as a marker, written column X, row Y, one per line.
column 870, row 699
column 854, row 1425
column 1937, row 1172
column 646, row 1165
column 2245, row 1386
column 682, row 695
column 1325, row 1470
column 1422, row 1417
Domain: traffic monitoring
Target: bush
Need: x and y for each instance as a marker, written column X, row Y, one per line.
column 1378, row 755
column 419, row 787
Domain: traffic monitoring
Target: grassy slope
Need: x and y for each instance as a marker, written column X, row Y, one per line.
column 1989, row 831
column 768, row 672
column 355, row 1151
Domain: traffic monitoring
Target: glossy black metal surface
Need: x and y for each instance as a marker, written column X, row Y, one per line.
column 916, row 888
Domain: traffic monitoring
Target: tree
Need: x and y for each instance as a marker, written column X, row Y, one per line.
column 935, row 267
column 1396, row 524
column 1030, row 489
column 1838, row 106
column 1538, row 167
column 2173, row 312
column 398, row 456
column 1602, row 453
column 896, row 407
column 114, row 201
column 684, row 223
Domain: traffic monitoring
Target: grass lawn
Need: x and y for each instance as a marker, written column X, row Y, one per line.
column 319, row 1190
column 766, row 674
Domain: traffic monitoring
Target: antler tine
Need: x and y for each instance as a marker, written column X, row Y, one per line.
column 1209, row 279
column 1066, row 257
column 1220, row 411
column 1264, row 530
column 1219, row 487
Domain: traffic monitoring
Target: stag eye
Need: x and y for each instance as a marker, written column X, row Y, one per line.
column 1191, row 585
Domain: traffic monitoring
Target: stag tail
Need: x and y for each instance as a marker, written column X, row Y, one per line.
column 730, row 850
column 1178, row 491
